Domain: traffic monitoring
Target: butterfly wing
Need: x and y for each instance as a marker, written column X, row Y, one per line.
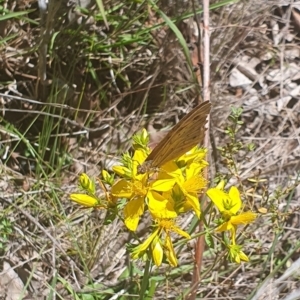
column 186, row 134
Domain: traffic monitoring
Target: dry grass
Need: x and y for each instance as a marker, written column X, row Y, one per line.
column 75, row 109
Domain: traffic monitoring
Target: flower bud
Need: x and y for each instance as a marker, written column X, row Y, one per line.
column 86, row 183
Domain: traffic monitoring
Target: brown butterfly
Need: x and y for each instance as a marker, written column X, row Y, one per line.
column 185, row 135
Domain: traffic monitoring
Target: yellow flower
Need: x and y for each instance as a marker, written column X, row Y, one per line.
column 195, row 155
column 89, row 199
column 84, row 200
column 236, row 254
column 141, row 140
column 189, row 183
column 156, row 192
column 229, row 204
column 142, row 248
column 135, row 191
column 133, row 187
column 87, row 184
column 107, row 178
column 159, row 243
column 138, row 190
column 157, row 251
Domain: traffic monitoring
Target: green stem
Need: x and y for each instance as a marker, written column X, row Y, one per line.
column 145, row 281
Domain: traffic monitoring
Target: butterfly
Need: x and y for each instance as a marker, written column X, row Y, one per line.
column 185, row 135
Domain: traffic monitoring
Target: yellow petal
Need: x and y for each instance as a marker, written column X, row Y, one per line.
column 224, row 227
column 243, row 218
column 139, row 157
column 163, row 185
column 190, row 155
column 140, row 249
column 84, row 200
column 236, row 254
column 217, row 196
column 243, row 256
column 107, row 178
column 86, row 183
column 195, row 154
column 132, row 212
column 122, row 189
column 169, row 252
column 122, row 171
column 145, row 136
column 195, row 168
column 226, row 202
column 157, row 251
column 195, row 184
column 221, row 185
column 237, row 259
column 234, row 195
column 181, row 232
column 105, row 175
column 193, row 202
column 161, row 207
column 171, row 168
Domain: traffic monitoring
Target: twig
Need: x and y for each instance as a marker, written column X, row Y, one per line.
column 199, row 247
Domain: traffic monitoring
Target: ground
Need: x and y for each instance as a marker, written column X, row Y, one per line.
column 77, row 83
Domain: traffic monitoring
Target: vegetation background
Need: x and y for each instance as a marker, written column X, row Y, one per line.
column 77, row 81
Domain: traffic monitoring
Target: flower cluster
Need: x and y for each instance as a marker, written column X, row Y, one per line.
column 164, row 194
column 230, row 204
